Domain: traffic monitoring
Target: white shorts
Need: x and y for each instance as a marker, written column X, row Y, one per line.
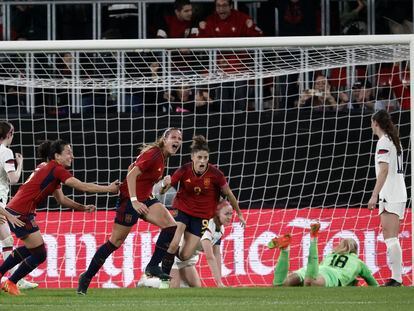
column 394, row 208
column 178, row 264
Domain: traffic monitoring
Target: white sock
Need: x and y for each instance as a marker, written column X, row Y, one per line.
column 394, row 254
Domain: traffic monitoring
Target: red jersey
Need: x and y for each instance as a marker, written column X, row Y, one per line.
column 237, row 24
column 172, row 27
column 151, row 163
column 46, row 178
column 198, row 195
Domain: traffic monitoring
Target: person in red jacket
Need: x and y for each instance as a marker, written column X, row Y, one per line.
column 228, row 22
column 179, row 25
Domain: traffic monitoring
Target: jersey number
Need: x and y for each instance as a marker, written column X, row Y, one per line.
column 339, row 261
column 204, row 226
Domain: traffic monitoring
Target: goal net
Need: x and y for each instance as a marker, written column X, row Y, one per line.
column 287, row 120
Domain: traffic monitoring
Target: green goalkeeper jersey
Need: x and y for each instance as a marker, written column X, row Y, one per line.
column 348, row 267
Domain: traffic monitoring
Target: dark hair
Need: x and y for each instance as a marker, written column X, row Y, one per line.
column 43, row 150
column 5, row 128
column 160, row 141
column 384, row 121
column 47, row 149
column 230, row 2
column 199, row 144
column 179, row 4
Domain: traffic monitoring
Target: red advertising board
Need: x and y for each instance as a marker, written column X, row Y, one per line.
column 72, row 239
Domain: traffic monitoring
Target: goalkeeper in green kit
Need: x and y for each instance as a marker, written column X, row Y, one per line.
column 339, row 268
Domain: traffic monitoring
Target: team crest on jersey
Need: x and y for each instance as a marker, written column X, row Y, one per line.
column 197, row 190
column 128, row 218
column 207, row 182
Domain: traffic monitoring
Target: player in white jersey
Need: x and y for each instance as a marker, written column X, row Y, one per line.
column 184, row 273
column 390, row 188
column 9, row 175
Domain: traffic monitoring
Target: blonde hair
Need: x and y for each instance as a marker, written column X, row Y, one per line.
column 346, row 246
column 160, row 141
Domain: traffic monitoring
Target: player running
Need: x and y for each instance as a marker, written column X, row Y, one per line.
column 137, row 201
column 339, row 268
column 21, row 210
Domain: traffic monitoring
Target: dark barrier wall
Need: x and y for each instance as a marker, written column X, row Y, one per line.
column 272, row 159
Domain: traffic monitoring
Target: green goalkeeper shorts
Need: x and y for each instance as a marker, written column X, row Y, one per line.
column 329, row 275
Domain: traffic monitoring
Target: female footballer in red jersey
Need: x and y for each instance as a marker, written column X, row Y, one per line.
column 44, row 181
column 137, row 201
column 201, row 185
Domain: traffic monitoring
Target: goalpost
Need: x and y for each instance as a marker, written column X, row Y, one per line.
column 287, row 165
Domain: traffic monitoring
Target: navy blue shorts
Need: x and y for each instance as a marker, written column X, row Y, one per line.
column 126, row 215
column 30, row 224
column 195, row 225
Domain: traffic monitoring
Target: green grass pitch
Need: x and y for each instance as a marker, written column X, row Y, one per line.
column 213, row 299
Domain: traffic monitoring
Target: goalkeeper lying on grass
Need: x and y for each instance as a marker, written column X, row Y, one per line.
column 339, row 268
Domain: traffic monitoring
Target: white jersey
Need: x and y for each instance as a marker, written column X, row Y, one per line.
column 394, row 189
column 6, row 166
column 212, row 233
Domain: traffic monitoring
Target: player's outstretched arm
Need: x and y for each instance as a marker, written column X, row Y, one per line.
column 367, row 276
column 67, row 202
column 90, row 187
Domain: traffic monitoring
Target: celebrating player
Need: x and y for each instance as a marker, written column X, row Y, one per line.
column 20, row 211
column 137, row 201
column 196, row 201
column 9, row 175
column 339, row 268
column 391, row 189
column 210, row 245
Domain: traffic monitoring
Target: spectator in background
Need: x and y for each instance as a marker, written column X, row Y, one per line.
column 321, row 97
column 179, row 25
column 228, row 22
column 353, row 20
column 384, row 99
column 400, row 84
column 362, row 99
column 187, row 100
